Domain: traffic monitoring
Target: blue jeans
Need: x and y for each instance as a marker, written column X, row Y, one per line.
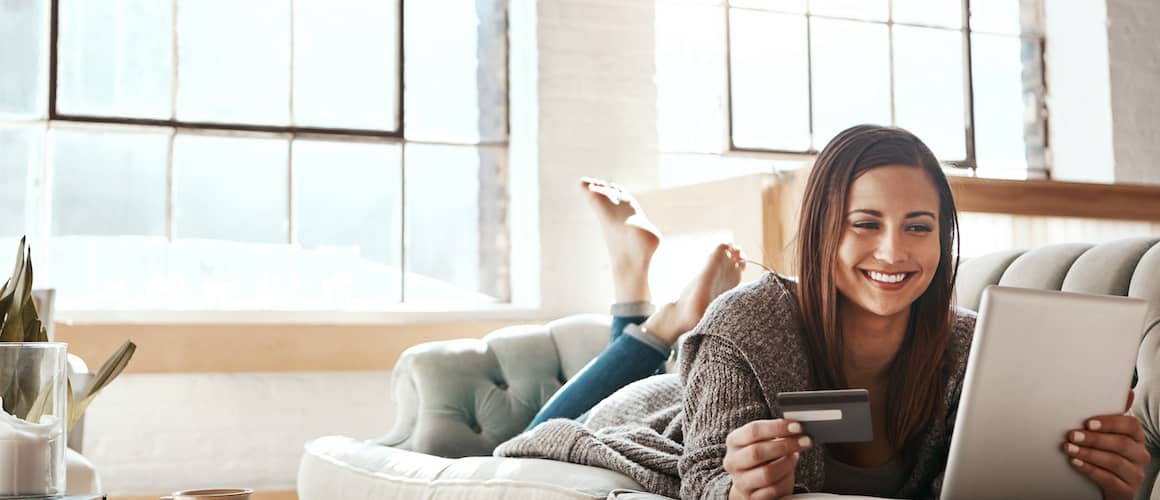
column 625, row 360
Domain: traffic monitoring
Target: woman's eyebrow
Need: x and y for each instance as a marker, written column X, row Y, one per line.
column 920, row 213
column 878, row 213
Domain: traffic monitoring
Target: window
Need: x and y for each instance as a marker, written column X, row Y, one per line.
column 264, row 155
column 970, row 85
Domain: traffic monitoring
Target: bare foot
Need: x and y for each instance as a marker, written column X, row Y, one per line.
column 631, row 238
column 721, row 273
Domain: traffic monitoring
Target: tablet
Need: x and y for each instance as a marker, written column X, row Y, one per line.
column 1041, row 363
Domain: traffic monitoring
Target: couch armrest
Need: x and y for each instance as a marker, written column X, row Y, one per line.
column 463, row 397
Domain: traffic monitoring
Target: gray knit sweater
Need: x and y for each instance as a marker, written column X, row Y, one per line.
column 746, row 349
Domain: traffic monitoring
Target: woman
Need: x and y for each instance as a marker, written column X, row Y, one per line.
column 872, row 309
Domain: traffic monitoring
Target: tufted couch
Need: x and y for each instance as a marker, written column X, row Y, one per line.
column 461, row 398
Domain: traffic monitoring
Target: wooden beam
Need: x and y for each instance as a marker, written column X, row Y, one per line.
column 1057, row 199
column 261, row 348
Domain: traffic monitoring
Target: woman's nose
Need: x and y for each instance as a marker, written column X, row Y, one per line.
column 890, row 249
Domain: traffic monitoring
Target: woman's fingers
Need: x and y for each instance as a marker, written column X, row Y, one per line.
column 762, row 430
column 784, row 487
column 770, row 479
column 1125, row 425
column 756, row 454
column 1124, row 445
column 1111, row 452
column 1124, row 468
column 1111, row 484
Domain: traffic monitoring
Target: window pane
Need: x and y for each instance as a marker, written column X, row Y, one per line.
column 690, row 91
column 109, row 182
column 793, row 6
column 1005, row 16
column 851, row 70
column 928, row 88
column 233, row 61
column 367, row 214
column 1000, row 103
column 770, row 84
column 346, row 68
column 456, row 81
column 870, row 10
column 20, row 170
column 23, row 57
column 947, row 13
column 348, row 205
column 456, row 235
column 115, row 58
column 231, row 188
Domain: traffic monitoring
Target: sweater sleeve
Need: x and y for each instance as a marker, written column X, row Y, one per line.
column 721, row 394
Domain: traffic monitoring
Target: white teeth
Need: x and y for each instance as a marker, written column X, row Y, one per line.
column 886, row 278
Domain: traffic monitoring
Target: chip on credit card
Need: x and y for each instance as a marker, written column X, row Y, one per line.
column 832, row 416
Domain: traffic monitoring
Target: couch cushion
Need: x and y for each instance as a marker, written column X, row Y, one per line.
column 353, row 470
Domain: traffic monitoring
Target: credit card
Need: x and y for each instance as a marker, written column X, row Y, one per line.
column 834, row 416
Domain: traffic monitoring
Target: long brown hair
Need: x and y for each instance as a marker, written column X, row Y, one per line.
column 915, row 393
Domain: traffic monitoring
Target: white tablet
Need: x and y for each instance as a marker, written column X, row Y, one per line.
column 1041, row 363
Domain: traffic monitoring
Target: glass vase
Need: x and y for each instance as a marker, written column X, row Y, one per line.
column 33, row 424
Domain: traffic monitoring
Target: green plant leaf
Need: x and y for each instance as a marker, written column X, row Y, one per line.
column 24, row 295
column 40, row 404
column 13, row 329
column 109, row 371
column 73, row 414
column 9, row 297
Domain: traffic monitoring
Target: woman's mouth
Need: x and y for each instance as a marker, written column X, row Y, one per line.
column 888, row 281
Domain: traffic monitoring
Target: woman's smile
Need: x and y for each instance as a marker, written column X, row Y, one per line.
column 888, row 281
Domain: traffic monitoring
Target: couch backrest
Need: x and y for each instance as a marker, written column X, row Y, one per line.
column 1128, row 267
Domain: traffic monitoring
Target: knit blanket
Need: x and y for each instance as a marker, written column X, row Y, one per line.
column 636, row 431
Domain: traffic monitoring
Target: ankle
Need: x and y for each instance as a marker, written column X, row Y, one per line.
column 630, row 282
column 665, row 323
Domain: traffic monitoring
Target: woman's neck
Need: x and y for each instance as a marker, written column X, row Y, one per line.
column 870, row 343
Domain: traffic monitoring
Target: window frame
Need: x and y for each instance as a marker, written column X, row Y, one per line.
column 968, row 165
column 52, row 116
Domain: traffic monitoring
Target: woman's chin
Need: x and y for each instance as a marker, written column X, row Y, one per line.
column 885, row 309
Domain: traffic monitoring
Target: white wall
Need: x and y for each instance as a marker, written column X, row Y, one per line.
column 148, row 434
column 1134, row 55
column 597, row 117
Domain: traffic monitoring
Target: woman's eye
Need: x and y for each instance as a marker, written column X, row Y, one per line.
column 866, row 225
column 922, row 228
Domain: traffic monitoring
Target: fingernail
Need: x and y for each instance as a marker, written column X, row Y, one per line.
column 795, row 428
column 796, row 455
column 804, row 441
column 1094, row 424
column 1077, row 436
column 1073, row 449
column 1077, row 462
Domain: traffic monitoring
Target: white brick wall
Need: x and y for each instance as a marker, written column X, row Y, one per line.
column 597, row 116
column 1134, row 62
column 148, row 434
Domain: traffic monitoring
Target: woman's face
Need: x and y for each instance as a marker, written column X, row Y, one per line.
column 889, row 248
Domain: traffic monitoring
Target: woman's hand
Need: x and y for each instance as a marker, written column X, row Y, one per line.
column 1111, row 453
column 761, row 457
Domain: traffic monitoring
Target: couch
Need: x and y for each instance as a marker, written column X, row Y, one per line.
column 456, row 400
